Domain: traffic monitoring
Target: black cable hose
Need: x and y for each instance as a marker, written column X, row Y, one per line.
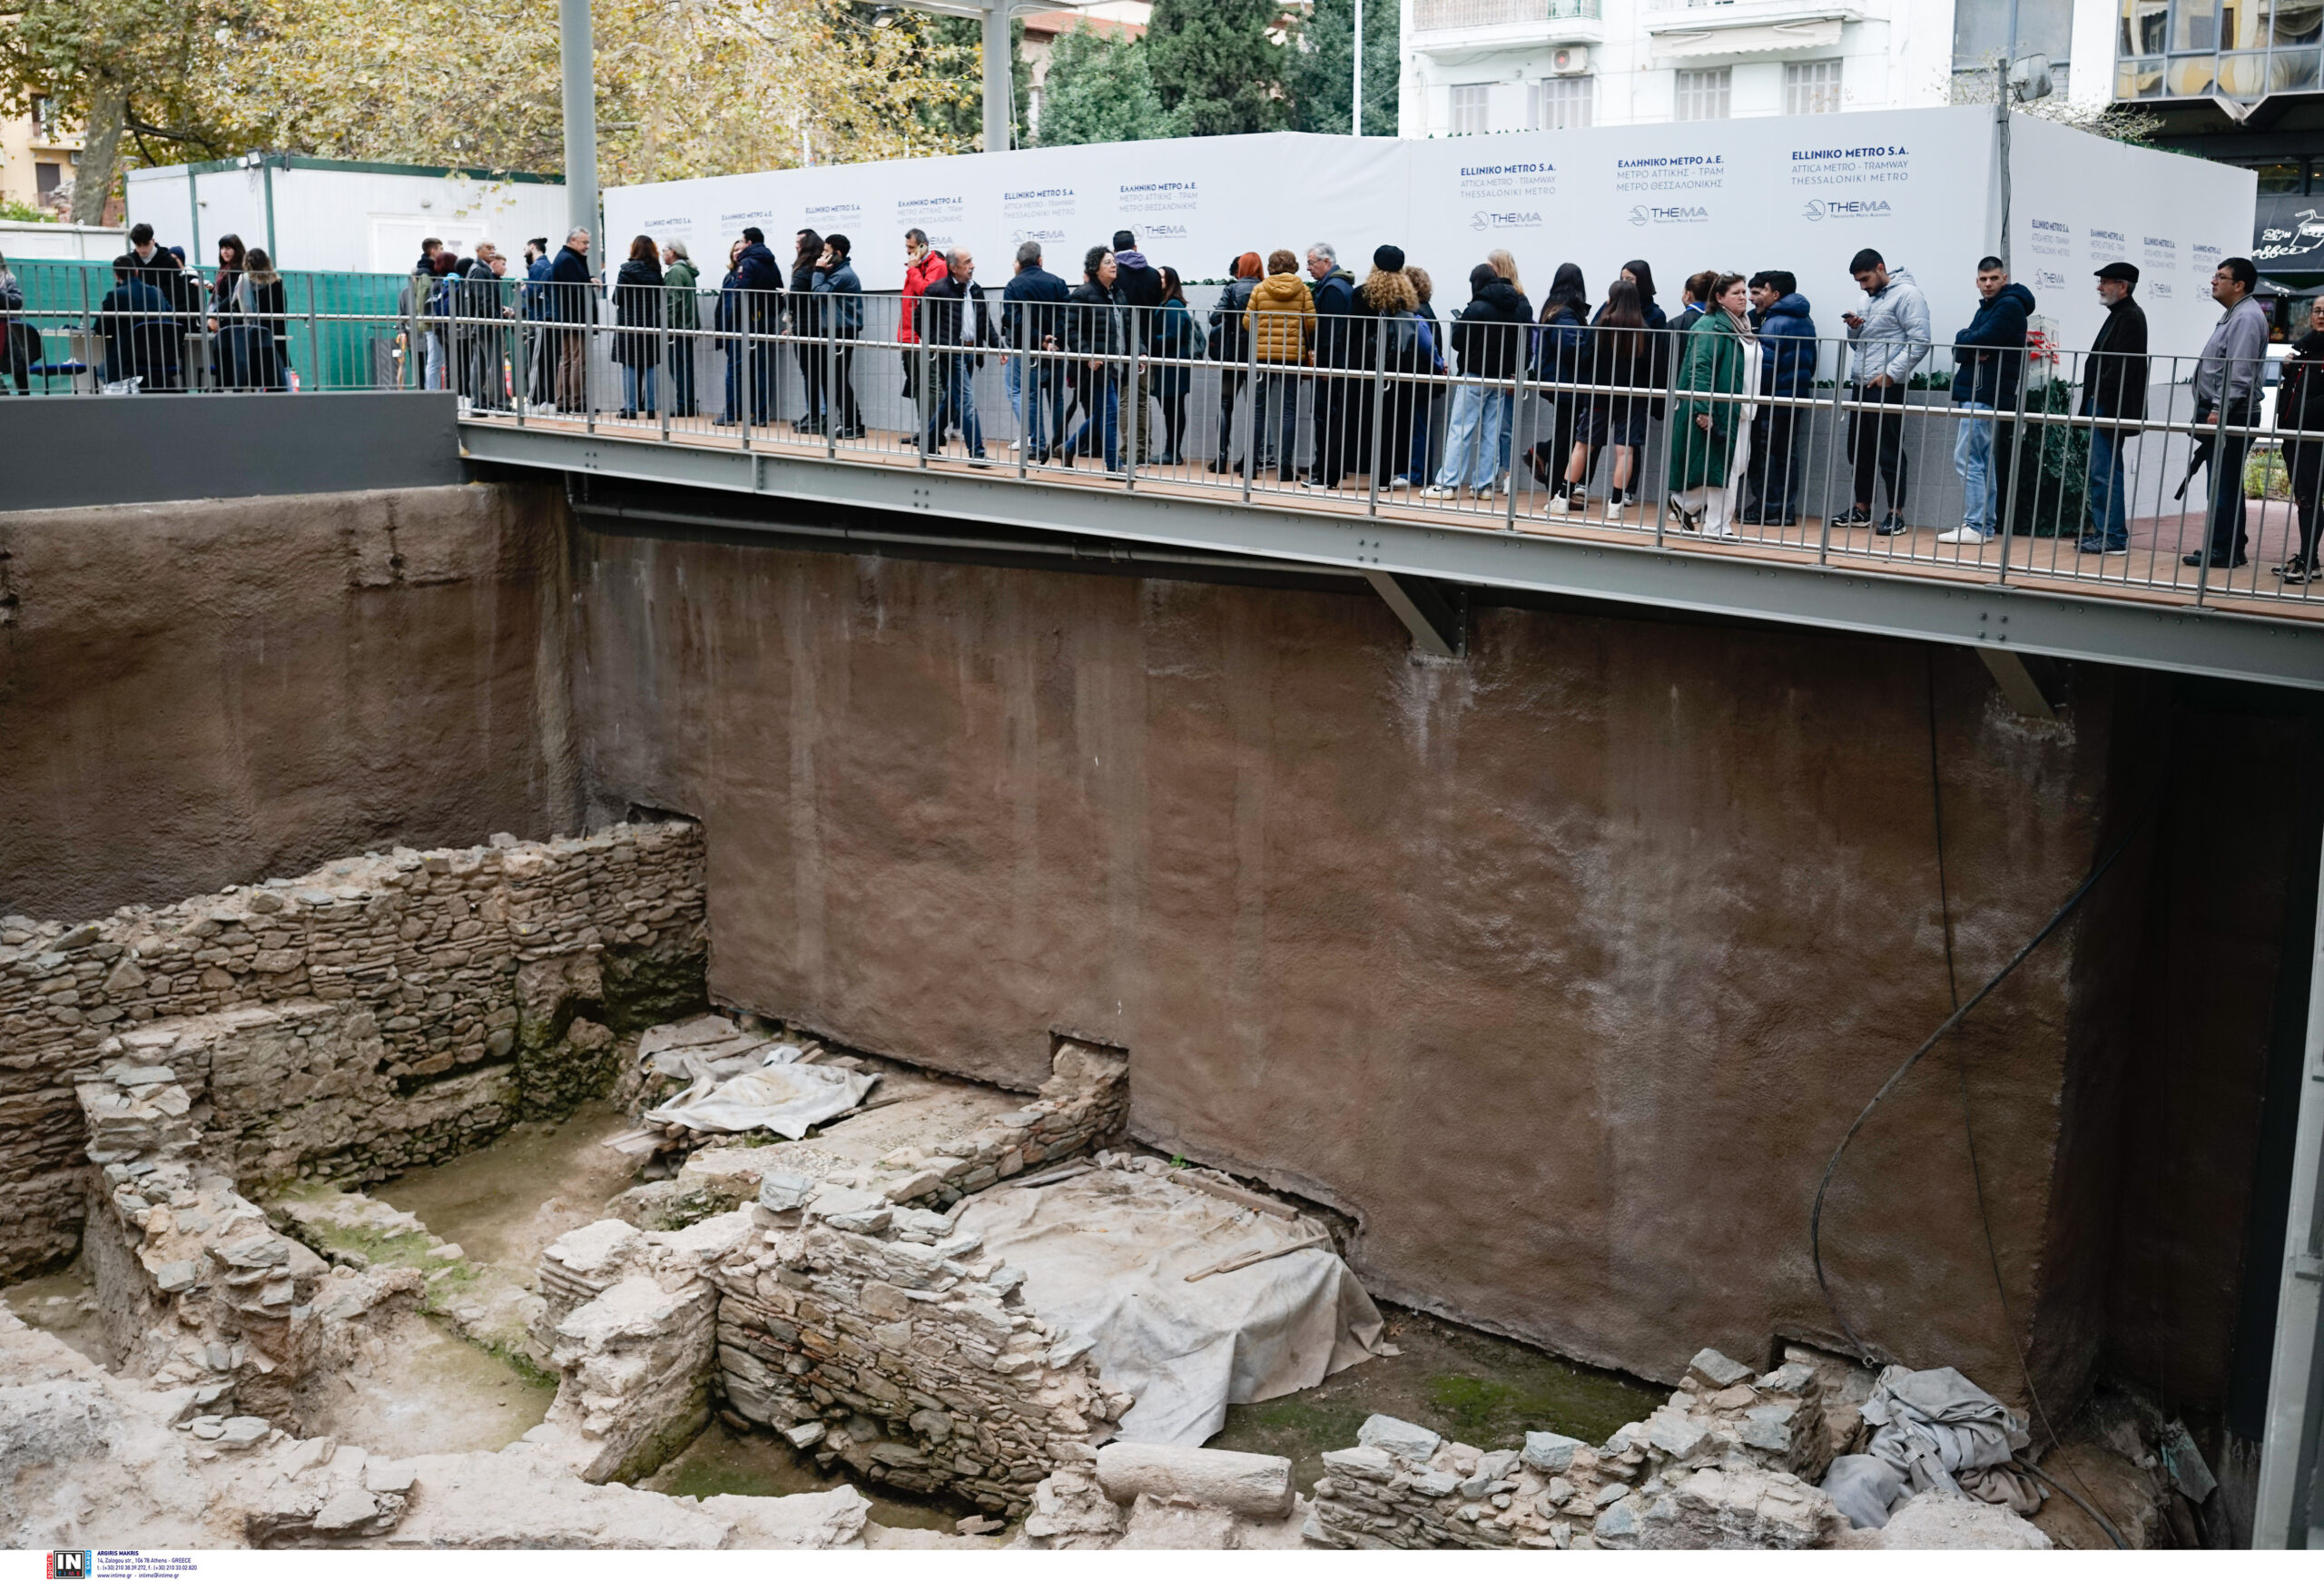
column 1816, row 1215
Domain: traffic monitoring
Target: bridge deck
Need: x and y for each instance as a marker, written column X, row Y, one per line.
column 2144, row 609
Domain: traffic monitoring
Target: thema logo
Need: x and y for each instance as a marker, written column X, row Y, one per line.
column 1686, row 214
column 1484, row 220
column 69, row 1565
column 1846, row 209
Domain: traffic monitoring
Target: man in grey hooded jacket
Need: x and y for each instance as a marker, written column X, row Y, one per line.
column 1889, row 336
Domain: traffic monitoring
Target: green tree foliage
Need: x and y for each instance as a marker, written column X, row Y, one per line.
column 1218, row 64
column 1317, row 75
column 1098, row 90
column 956, row 50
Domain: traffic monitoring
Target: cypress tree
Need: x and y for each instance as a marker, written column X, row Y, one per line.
column 1215, row 66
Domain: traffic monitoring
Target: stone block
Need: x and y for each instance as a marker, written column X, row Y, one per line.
column 1715, row 1370
column 1549, row 1453
column 1253, row 1484
column 1408, row 1439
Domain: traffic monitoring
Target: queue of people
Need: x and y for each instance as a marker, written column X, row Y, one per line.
column 1088, row 368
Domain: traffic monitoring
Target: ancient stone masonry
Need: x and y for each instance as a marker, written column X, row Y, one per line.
column 631, row 1322
column 873, row 1334
column 196, row 1290
column 378, row 1012
column 1729, row 1462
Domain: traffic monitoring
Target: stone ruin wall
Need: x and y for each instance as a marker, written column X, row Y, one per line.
column 378, row 1013
column 856, row 1323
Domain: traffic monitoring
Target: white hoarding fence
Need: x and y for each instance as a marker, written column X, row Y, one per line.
column 1801, row 193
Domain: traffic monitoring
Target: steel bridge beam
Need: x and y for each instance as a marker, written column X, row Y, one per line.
column 2007, row 619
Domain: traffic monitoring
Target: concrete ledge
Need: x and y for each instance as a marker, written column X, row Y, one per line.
column 97, row 449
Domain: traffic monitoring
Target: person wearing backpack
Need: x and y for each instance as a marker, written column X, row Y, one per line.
column 1230, row 346
column 1398, row 355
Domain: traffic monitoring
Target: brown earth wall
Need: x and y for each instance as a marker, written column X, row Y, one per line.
column 203, row 693
column 1562, row 969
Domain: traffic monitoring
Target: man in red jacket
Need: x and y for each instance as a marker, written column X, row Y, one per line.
column 923, row 266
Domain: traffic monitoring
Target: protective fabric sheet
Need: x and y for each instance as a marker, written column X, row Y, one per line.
column 1105, row 1256
column 1933, row 1428
column 742, row 1083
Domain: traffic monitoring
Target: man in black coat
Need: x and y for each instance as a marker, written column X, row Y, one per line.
column 1139, row 284
column 2114, row 385
column 1030, row 323
column 759, row 278
column 570, row 308
column 952, row 321
column 1336, row 406
column 134, row 319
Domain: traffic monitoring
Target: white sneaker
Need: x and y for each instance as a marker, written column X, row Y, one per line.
column 1965, row 535
column 1438, row 491
column 1569, row 503
column 1485, row 492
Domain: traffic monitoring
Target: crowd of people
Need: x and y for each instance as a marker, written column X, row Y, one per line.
column 1105, row 368
column 165, row 327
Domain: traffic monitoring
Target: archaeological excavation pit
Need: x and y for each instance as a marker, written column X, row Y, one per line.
column 358, row 1194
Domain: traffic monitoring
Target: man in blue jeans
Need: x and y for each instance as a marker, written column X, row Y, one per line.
column 2114, row 385
column 1990, row 359
column 1029, row 323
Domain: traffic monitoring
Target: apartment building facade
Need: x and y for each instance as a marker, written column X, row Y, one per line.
column 1472, row 66
column 37, row 156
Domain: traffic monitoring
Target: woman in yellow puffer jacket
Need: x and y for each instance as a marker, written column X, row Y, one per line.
column 1282, row 323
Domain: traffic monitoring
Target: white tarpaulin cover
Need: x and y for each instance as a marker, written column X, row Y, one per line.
column 1105, row 1256
column 743, row 1082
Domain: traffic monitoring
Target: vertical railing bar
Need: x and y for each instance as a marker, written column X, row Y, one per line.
column 1379, row 410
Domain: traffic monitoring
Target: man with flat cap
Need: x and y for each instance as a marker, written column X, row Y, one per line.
column 2114, row 385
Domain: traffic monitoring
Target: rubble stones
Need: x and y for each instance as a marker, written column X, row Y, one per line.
column 344, row 1024
column 1728, row 1461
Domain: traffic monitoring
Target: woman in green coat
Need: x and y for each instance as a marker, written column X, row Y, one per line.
column 684, row 316
column 1711, row 438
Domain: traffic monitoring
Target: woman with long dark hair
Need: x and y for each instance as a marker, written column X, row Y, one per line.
column 224, row 287
column 1618, row 358
column 637, row 320
column 806, row 322
column 1558, row 361
column 1177, row 337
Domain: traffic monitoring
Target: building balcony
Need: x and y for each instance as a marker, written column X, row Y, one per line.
column 1443, row 25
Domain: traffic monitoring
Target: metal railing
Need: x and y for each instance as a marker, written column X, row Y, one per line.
column 2097, row 473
